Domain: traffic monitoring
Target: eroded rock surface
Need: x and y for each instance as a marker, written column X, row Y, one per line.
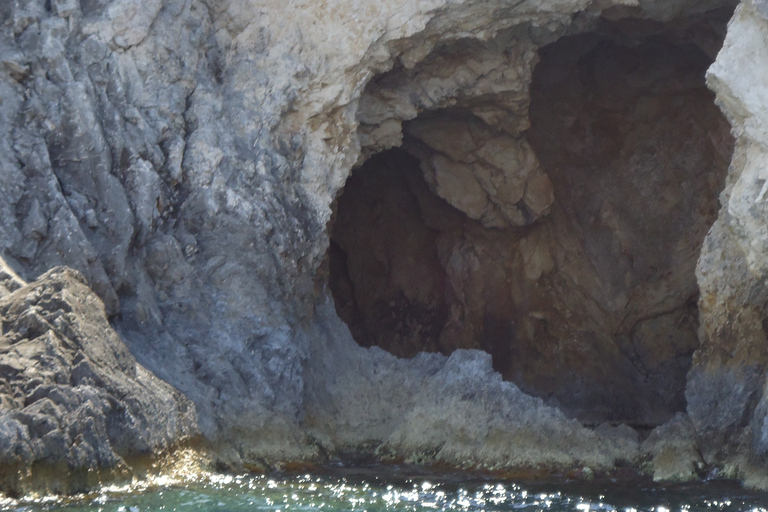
column 447, row 411
column 566, row 250
column 675, row 451
column 184, row 156
column 726, row 386
column 74, row 403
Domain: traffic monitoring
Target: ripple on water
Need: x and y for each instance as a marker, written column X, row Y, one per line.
column 398, row 492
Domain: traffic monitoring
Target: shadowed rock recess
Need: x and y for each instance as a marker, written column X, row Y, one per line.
column 474, row 234
column 563, row 243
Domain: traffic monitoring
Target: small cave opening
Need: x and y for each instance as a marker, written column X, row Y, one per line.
column 555, row 225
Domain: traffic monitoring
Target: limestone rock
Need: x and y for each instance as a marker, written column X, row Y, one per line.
column 451, row 411
column 71, row 395
column 492, row 177
column 566, row 252
column 726, row 384
column 674, row 451
column 184, row 157
column 466, row 416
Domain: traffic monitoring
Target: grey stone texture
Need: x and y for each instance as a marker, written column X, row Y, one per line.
column 183, row 156
column 75, row 403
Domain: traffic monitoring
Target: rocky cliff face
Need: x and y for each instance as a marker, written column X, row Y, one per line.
column 725, row 389
column 75, row 404
column 557, row 170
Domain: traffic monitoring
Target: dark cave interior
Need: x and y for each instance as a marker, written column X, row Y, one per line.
column 584, row 291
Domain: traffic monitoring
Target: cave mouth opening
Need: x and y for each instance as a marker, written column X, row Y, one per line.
column 556, row 227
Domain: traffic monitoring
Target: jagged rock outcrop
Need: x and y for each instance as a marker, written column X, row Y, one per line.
column 726, row 386
column 449, row 411
column 674, row 451
column 184, row 156
column 74, row 403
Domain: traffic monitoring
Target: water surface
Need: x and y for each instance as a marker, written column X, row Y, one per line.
column 366, row 491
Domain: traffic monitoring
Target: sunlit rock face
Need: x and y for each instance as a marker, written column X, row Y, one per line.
column 530, row 179
column 563, row 242
column 76, row 406
column 726, row 385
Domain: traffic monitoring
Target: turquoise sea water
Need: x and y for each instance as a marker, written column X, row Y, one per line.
column 400, row 491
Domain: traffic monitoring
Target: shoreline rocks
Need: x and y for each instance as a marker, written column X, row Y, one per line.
column 182, row 158
column 75, row 403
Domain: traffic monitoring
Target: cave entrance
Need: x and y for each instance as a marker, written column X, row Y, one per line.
column 559, row 234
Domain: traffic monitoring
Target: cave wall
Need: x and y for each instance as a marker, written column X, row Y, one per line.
column 184, row 156
column 385, row 271
column 638, row 153
column 566, row 250
column 725, row 391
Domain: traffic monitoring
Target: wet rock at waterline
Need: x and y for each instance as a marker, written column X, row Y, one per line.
column 563, row 165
